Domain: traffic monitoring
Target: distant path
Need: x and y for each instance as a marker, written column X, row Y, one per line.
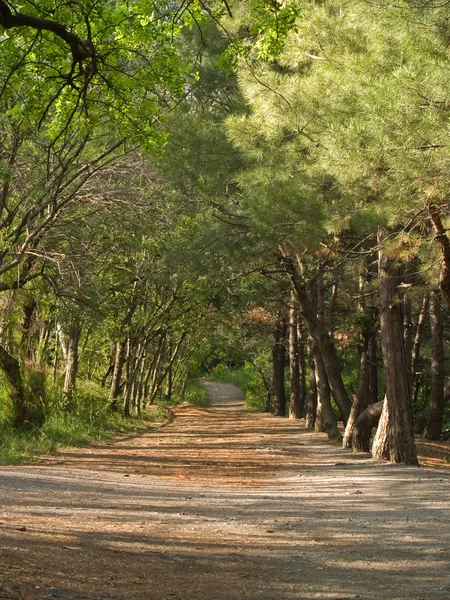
column 222, row 504
column 224, row 395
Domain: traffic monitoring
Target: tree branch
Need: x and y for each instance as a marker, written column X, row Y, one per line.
column 81, row 49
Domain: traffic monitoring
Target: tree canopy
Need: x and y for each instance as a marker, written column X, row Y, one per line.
column 261, row 183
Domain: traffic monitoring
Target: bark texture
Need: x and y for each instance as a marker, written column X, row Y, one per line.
column 119, row 361
column 362, row 431
column 444, row 243
column 325, row 420
column 380, row 446
column 311, row 404
column 278, row 366
column 296, row 400
column 361, row 400
column 402, row 447
column 71, row 370
column 418, row 339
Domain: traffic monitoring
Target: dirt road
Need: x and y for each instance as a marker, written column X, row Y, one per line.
column 223, row 504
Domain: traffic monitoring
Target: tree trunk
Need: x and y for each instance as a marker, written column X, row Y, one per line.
column 71, row 371
column 402, row 447
column 407, row 338
column 157, row 383
column 278, row 368
column 325, row 421
column 435, row 416
column 119, row 361
column 380, row 446
column 418, row 340
column 361, row 400
column 373, row 370
column 421, row 420
column 169, row 385
column 139, row 384
column 321, row 338
column 311, row 407
column 296, row 400
column 155, row 368
column 26, row 344
column 364, row 425
column 301, row 366
column 130, row 378
column 443, row 241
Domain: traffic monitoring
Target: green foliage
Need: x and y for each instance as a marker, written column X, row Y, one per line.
column 223, row 374
column 195, row 394
column 89, row 418
column 24, row 446
column 7, row 414
column 260, row 29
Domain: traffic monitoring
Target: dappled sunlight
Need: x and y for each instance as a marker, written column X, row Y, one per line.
column 224, row 504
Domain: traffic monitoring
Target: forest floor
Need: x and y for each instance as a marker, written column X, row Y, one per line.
column 224, row 504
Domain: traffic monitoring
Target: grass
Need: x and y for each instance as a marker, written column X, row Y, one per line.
column 240, row 377
column 195, row 393
column 87, row 419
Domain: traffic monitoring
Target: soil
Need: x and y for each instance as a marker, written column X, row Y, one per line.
column 225, row 504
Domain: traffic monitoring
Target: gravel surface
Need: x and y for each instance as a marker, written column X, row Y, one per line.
column 223, row 504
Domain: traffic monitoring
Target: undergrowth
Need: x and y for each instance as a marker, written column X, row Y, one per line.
column 86, row 418
column 195, row 393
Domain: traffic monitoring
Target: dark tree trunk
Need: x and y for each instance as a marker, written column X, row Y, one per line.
column 278, row 369
column 435, row 415
column 155, row 368
column 302, row 366
column 71, row 371
column 119, row 361
column 321, row 338
column 325, row 420
column 311, row 406
column 418, row 340
column 138, row 388
column 361, row 400
column 161, row 374
column 373, row 369
column 26, row 344
column 421, row 420
column 362, row 397
column 362, row 431
column 296, row 400
column 169, row 385
column 408, row 338
column 130, row 366
column 109, row 371
column 402, row 447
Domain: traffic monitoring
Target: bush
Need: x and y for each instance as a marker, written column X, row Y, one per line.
column 195, row 393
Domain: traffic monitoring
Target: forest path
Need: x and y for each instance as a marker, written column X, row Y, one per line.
column 222, row 504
